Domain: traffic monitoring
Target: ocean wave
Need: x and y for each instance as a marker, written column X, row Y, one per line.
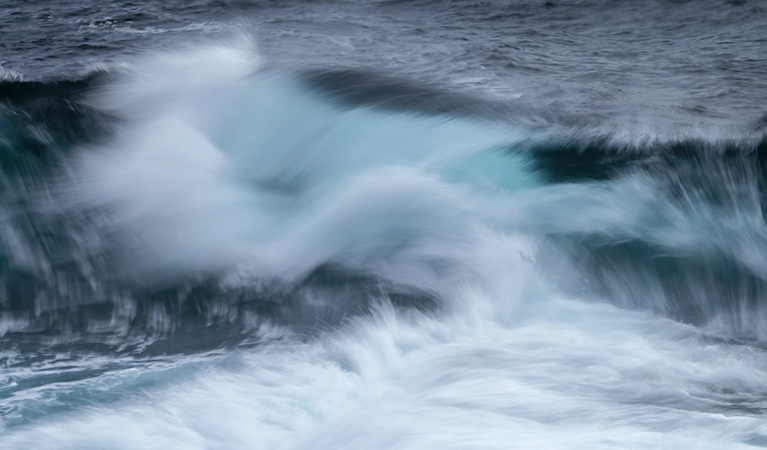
column 205, row 188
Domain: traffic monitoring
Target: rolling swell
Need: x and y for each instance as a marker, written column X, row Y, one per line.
column 46, row 275
column 693, row 250
column 191, row 220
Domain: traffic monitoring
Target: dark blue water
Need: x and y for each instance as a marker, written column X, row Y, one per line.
column 383, row 225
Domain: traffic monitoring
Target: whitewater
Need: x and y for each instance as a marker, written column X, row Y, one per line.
column 254, row 257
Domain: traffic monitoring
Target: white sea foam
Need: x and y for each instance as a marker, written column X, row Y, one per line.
column 566, row 374
column 221, row 164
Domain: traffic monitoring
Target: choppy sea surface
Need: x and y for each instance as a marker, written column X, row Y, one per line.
column 383, row 225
